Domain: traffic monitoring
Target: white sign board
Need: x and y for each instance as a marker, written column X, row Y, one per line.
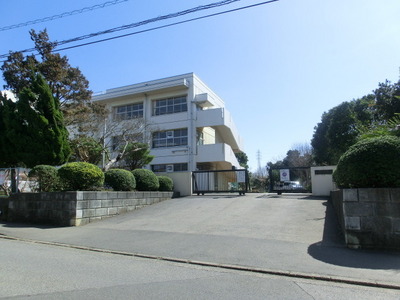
column 285, row 175
column 2, row 178
column 241, row 176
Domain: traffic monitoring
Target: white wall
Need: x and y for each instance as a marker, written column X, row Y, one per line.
column 322, row 184
column 182, row 182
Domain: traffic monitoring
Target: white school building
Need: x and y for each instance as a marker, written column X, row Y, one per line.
column 187, row 125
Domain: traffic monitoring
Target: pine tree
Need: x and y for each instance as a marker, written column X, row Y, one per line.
column 66, row 83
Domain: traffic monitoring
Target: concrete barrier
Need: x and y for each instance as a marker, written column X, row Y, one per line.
column 77, row 208
column 369, row 217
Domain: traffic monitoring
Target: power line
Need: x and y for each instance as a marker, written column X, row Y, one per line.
column 137, row 24
column 65, row 14
column 147, row 30
column 148, row 21
column 164, row 26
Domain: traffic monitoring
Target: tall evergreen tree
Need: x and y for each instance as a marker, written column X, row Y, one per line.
column 342, row 125
column 335, row 134
column 32, row 128
column 8, row 132
column 66, row 83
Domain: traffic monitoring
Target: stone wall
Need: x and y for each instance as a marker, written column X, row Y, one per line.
column 77, row 208
column 3, row 208
column 370, row 218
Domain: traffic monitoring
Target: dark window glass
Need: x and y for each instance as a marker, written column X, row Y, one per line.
column 180, row 167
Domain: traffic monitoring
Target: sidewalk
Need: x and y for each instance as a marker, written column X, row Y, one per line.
column 288, row 234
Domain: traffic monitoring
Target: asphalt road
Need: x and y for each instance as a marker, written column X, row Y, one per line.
column 37, row 271
column 288, row 235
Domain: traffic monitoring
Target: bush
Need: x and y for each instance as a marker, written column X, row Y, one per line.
column 81, row 176
column 120, row 180
column 373, row 162
column 146, row 180
column 166, row 184
column 46, row 177
column 86, row 149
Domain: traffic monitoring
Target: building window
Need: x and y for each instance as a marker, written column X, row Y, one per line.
column 200, row 137
column 170, row 138
column 128, row 112
column 118, row 141
column 323, row 172
column 169, row 106
column 181, row 167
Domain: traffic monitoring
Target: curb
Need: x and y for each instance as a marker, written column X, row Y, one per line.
column 289, row 274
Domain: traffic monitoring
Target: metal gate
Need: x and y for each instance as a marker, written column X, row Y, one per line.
column 290, row 180
column 221, row 181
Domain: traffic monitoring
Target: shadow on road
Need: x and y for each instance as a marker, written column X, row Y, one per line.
column 218, row 195
column 332, row 249
column 27, row 225
column 294, row 196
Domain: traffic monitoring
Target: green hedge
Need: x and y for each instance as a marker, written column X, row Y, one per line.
column 373, row 162
column 166, row 184
column 120, row 180
column 146, row 180
column 81, row 176
column 46, row 177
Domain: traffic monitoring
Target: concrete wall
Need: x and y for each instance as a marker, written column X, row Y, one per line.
column 322, row 181
column 370, row 218
column 182, row 182
column 77, row 208
column 217, row 153
column 3, row 208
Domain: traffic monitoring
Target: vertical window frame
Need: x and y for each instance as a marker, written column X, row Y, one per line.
column 171, row 105
column 163, row 140
column 128, row 111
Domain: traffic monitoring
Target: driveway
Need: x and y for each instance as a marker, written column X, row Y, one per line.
column 292, row 234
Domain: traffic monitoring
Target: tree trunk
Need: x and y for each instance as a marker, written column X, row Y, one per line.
column 14, row 181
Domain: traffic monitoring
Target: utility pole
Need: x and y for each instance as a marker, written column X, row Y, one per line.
column 259, row 163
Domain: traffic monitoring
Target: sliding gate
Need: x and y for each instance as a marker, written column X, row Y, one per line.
column 221, row 181
column 290, row 180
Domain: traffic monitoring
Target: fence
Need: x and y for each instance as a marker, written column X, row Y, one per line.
column 220, row 181
column 13, row 180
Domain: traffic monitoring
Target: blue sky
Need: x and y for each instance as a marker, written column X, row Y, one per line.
column 277, row 66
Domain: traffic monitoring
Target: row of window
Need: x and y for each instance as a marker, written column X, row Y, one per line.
column 170, row 138
column 169, row 106
column 160, row 107
column 181, row 167
column 128, row 112
column 161, row 139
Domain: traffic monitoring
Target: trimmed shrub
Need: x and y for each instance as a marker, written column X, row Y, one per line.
column 120, row 180
column 146, row 180
column 373, row 163
column 46, row 177
column 166, row 184
column 81, row 176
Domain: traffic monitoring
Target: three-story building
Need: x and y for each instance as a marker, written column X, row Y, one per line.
column 187, row 125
